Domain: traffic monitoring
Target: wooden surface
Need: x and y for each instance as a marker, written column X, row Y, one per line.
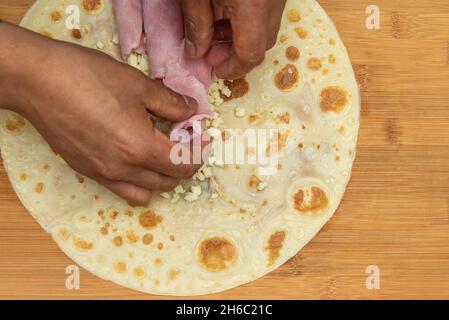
column 395, row 213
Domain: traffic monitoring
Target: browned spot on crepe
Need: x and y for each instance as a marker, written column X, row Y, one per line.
column 333, row 99
column 56, row 16
column 284, row 118
column 279, row 143
column 113, row 214
column 82, row 244
column 149, row 219
column 274, row 246
column 254, row 181
column 293, row 16
column 76, row 33
column 147, row 239
column 292, row 53
column 121, row 267
column 311, row 201
column 131, row 236
column 118, row 241
column 173, row 274
column 64, row 234
column 80, row 178
column 238, row 88
column 301, row 32
column 287, row 78
column 47, row 34
column 217, row 254
column 314, row 64
column 92, row 6
column 39, row 187
column 139, row 272
column 15, row 124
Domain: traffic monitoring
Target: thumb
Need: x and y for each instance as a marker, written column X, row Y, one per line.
column 165, row 103
column 199, row 26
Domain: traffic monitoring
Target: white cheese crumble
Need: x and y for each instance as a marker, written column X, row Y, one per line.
column 200, row 176
column 191, row 197
column 240, row 112
column 216, row 93
column 115, row 39
column 262, row 186
column 100, row 45
column 215, row 162
column 207, row 171
column 132, row 60
column 179, row 189
column 226, row 92
column 165, row 195
column 196, row 190
column 175, row 198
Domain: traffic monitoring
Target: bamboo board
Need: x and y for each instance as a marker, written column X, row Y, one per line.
column 395, row 213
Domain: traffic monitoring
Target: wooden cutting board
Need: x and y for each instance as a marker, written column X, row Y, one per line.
column 395, row 214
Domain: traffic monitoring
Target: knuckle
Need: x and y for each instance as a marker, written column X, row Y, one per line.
column 258, row 4
column 139, row 199
column 192, row 25
column 109, row 171
column 198, row 29
column 135, row 155
column 272, row 42
column 252, row 57
column 168, row 186
column 144, row 199
column 203, row 36
column 172, row 183
column 189, row 171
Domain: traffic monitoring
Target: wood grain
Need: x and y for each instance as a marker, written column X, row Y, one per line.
column 395, row 213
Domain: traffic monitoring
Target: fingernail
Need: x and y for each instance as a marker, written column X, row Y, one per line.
column 191, row 103
column 190, row 48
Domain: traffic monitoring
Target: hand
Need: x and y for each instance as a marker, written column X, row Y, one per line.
column 255, row 25
column 92, row 111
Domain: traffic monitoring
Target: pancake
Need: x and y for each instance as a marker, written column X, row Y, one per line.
column 234, row 222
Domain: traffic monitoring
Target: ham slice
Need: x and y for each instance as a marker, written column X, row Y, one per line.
column 163, row 25
column 130, row 25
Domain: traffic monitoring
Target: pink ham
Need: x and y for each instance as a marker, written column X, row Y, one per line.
column 163, row 23
column 130, row 25
column 164, row 29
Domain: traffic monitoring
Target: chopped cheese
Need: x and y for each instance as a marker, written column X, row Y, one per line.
column 240, row 112
column 262, row 186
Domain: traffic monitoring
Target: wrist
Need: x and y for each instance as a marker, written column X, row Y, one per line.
column 21, row 60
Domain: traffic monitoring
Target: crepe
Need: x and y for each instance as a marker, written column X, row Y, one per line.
column 234, row 222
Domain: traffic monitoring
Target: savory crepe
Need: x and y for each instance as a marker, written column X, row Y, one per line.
column 234, row 221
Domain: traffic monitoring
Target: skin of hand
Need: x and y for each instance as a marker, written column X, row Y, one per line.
column 92, row 110
column 254, row 27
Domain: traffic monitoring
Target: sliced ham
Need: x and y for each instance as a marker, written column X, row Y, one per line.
column 163, row 26
column 130, row 25
column 163, row 23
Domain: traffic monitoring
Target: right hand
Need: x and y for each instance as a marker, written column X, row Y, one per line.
column 92, row 110
column 254, row 27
